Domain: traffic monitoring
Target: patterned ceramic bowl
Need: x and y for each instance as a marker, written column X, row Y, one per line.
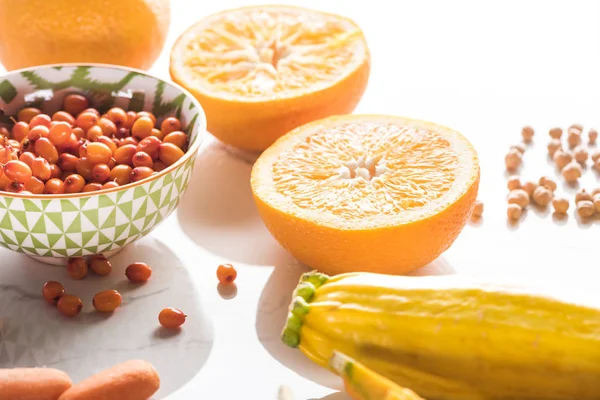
column 52, row 228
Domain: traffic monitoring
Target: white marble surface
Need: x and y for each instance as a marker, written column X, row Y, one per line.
column 484, row 68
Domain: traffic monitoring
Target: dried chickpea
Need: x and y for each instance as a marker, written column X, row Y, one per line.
column 69, row 305
column 548, row 183
column 597, row 165
column 596, row 201
column 562, row 158
column 527, row 133
column 519, row 197
column 54, row 186
column 513, row 211
column 580, row 154
column 553, row 146
column 518, row 147
column 576, row 127
column 560, row 204
column 171, row 318
column 138, row 272
column 477, row 209
column 26, row 114
column 75, row 104
column 542, row 196
column 583, row 195
column 179, row 139
column 513, row 160
column 107, row 301
column 555, row 133
column 52, row 292
column 585, row 209
column 571, row 172
column 592, row 136
column 513, row 183
column 77, row 267
column 574, row 139
column 169, row 153
column 529, row 187
column 595, row 191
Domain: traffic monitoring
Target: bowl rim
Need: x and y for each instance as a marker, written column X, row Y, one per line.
column 187, row 155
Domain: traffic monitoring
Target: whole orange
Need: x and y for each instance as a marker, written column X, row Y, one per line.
column 36, row 32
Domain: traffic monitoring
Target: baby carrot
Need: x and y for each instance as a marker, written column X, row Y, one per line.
column 131, row 380
column 32, row 383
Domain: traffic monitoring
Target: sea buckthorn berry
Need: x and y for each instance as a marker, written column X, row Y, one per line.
column 109, row 142
column 150, row 145
column 142, row 159
column 69, row 305
column 92, row 187
column 107, row 301
column 130, row 140
column 40, row 119
column 78, row 132
column 52, row 292
column 77, row 267
column 55, row 171
column 117, row 116
column 20, row 131
column 121, row 174
column 169, row 125
column 555, row 133
column 112, row 163
column 74, row 104
column 94, row 133
column 171, row 318
column 110, row 185
column 139, row 173
column 44, row 148
column 142, row 127
column 37, row 132
column 146, row 114
column 100, row 173
column 40, row 168
column 27, row 157
column 513, row 211
column 71, row 145
column 518, row 196
column 138, row 272
column 513, row 160
column 59, row 133
column 67, row 162
column 82, row 149
column 169, row 153
column 63, row 116
column 157, row 133
column 122, row 133
column 74, row 183
column 131, row 117
column 26, row 114
column 226, row 273
column 124, row 154
column 527, row 133
column 14, row 187
column 159, row 166
column 178, row 138
column 54, row 186
column 92, row 110
column 14, row 145
column 35, row 186
column 86, row 120
column 560, row 204
column 18, row 171
column 98, row 153
column 108, row 127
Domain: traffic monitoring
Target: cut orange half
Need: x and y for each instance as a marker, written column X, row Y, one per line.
column 261, row 71
column 367, row 192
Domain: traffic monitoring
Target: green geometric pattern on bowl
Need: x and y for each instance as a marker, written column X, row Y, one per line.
column 96, row 222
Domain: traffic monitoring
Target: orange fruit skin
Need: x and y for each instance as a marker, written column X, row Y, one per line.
column 36, row 32
column 398, row 249
column 255, row 125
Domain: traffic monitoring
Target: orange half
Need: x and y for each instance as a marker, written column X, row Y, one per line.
column 261, row 71
column 367, row 192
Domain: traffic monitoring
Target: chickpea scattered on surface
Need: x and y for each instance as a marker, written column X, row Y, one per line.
column 513, row 183
column 576, row 127
column 592, row 136
column 555, row 133
column 529, row 187
column 527, row 132
column 597, row 165
column 548, row 183
column 574, row 138
column 513, row 160
column 542, row 196
column 571, row 172
column 519, row 197
column 518, row 147
column 595, row 191
column 583, row 195
column 585, row 209
column 562, row 158
column 596, row 201
column 477, row 209
column 513, row 211
column 553, row 146
column 560, row 204
column 580, row 154
column 595, row 155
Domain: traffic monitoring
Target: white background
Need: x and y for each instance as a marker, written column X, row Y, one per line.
column 484, row 68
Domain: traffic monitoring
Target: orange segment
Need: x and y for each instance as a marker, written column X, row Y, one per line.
column 261, row 71
column 367, row 193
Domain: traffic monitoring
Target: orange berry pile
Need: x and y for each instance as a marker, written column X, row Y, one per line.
column 79, row 150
